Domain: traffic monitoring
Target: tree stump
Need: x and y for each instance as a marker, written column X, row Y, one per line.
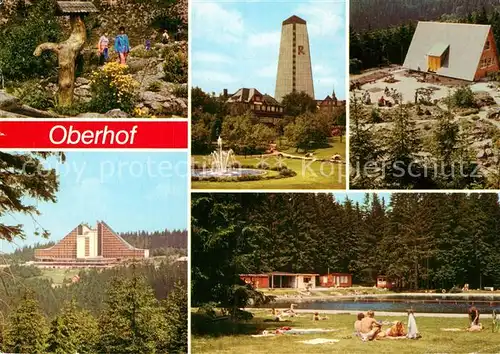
column 67, row 53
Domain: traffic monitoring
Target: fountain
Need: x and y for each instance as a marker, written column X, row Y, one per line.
column 223, row 166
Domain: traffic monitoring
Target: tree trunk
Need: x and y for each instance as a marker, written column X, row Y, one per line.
column 67, row 52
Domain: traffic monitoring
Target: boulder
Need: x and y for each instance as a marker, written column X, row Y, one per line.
column 149, row 96
column 8, row 102
column 481, row 154
column 117, row 113
column 81, row 81
column 493, row 113
column 483, row 99
column 488, row 152
column 5, row 114
column 155, row 106
column 91, row 115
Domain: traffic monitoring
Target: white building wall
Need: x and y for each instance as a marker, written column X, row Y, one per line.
column 80, row 246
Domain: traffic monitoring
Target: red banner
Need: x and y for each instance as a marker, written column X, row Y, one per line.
column 63, row 134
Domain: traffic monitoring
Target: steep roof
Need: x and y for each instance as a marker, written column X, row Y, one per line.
column 270, row 100
column 294, row 19
column 465, row 43
column 244, row 95
column 76, row 7
column 125, row 243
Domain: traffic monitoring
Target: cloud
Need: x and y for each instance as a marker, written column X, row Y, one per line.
column 210, row 76
column 211, row 58
column 212, row 22
column 323, row 19
column 265, row 39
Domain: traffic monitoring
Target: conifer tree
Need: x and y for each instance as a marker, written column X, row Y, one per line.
column 175, row 312
column 363, row 151
column 132, row 318
column 26, row 330
column 73, row 331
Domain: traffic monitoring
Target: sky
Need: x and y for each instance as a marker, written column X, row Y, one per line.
column 359, row 197
column 130, row 191
column 235, row 44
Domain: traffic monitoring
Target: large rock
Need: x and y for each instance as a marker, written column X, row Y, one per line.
column 5, row 114
column 493, row 113
column 81, row 81
column 8, row 102
column 91, row 115
column 117, row 113
column 483, row 99
column 150, row 96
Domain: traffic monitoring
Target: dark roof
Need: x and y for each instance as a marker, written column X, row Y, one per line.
column 270, row 100
column 76, row 7
column 294, row 19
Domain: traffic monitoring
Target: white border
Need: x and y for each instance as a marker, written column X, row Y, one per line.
column 347, row 95
column 190, row 70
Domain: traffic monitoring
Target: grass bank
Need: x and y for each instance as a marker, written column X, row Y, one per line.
column 228, row 338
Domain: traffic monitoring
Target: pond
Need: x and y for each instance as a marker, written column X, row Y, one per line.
column 395, row 305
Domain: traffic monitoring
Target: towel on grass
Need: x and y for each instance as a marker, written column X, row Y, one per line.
column 320, row 341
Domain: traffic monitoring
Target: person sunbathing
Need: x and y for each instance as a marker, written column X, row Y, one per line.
column 357, row 324
column 317, row 317
column 370, row 328
column 475, row 328
column 397, row 330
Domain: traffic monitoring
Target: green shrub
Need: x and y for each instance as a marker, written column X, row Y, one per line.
column 176, row 65
column 33, row 94
column 463, row 98
column 155, row 86
column 180, row 91
column 141, row 52
column 287, row 173
column 24, row 31
column 71, row 111
column 263, row 165
column 113, row 88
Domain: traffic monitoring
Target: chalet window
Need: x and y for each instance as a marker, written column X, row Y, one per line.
column 343, row 279
column 487, row 45
column 307, row 280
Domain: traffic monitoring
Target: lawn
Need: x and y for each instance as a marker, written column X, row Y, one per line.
column 310, row 175
column 433, row 339
column 57, row 276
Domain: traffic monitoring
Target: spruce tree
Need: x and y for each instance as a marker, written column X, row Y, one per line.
column 132, row 318
column 363, row 151
column 73, row 331
column 26, row 330
column 175, row 312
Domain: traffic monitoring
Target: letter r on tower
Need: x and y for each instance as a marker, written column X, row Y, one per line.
column 300, row 50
